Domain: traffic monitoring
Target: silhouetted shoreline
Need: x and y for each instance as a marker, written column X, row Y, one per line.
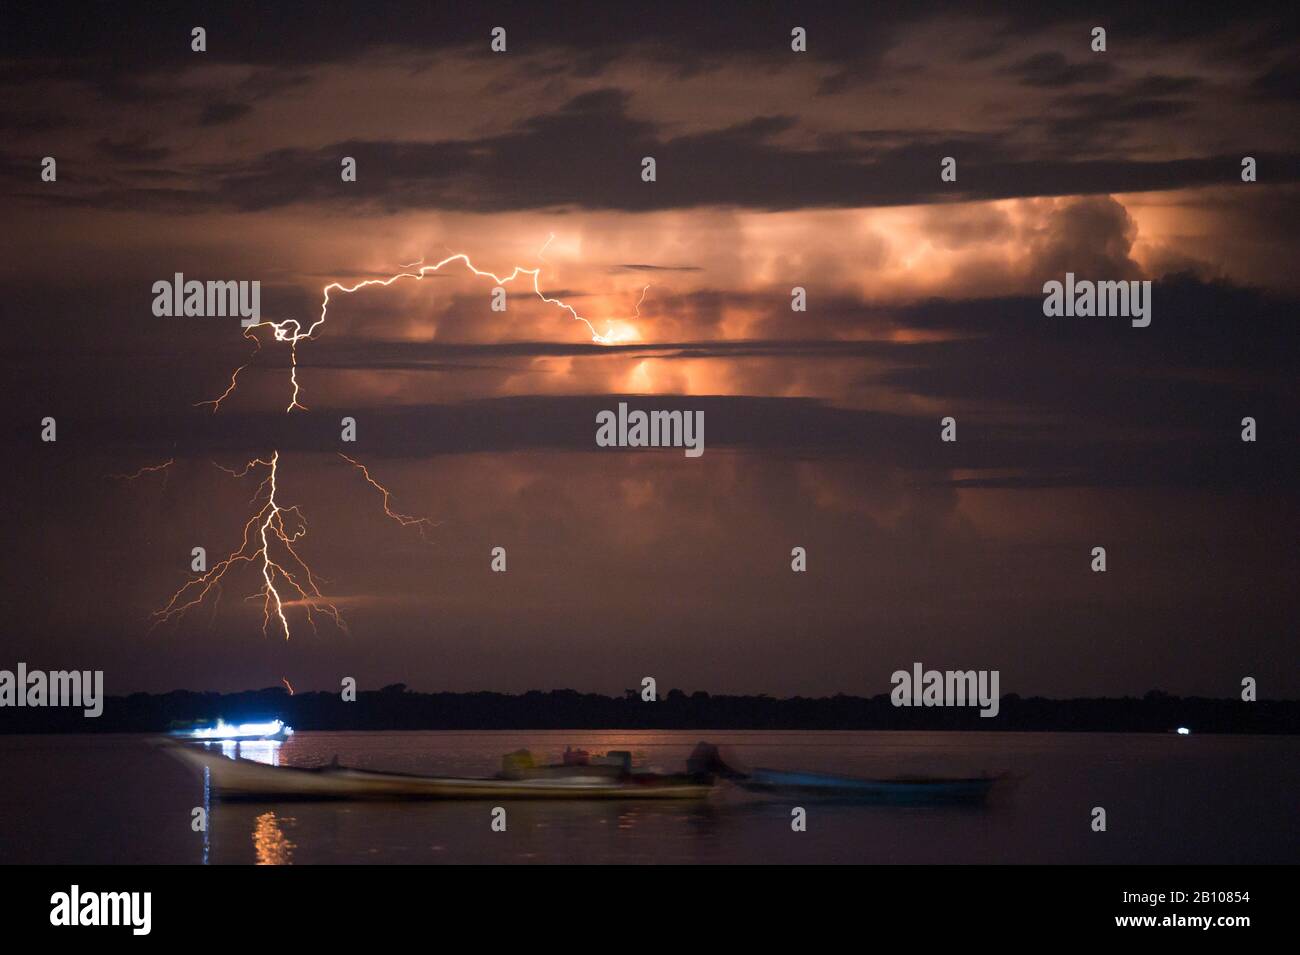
column 396, row 708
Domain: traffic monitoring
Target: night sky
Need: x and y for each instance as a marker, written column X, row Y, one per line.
column 775, row 169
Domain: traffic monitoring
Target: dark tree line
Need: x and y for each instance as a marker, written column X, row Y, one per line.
column 396, row 708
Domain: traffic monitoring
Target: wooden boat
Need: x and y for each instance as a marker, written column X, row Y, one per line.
column 245, row 779
column 910, row 791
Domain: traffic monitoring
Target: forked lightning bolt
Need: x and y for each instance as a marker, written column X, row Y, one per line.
column 405, row 520
column 291, row 330
column 151, row 469
column 268, row 544
column 270, row 535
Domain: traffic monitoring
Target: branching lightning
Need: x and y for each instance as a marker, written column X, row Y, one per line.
column 234, row 377
column 405, row 520
column 271, row 535
column 150, row 469
column 269, row 540
column 291, row 330
column 269, row 544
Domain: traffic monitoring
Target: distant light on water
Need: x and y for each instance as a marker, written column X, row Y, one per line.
column 1184, row 731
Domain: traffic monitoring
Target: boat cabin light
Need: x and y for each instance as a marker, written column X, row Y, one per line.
column 1184, row 731
column 224, row 730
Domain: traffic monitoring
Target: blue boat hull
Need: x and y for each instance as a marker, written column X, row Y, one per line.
column 906, row 792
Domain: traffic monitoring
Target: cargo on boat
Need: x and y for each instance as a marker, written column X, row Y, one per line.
column 246, row 779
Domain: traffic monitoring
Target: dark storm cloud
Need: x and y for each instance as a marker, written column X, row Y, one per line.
column 1282, row 82
column 144, row 38
column 1091, row 110
column 356, row 354
column 1162, row 84
column 1273, row 25
column 260, row 85
column 135, row 150
column 1052, row 69
column 217, row 113
column 1091, row 123
column 1060, row 453
column 587, row 154
column 20, row 122
column 595, row 33
column 1206, row 326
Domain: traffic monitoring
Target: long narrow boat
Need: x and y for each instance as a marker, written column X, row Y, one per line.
column 245, row 779
column 911, row 791
column 899, row 791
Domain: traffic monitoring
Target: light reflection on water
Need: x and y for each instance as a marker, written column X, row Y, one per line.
column 207, row 812
column 269, row 841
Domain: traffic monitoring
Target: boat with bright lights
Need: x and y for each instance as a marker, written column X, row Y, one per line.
column 223, row 732
column 608, row 778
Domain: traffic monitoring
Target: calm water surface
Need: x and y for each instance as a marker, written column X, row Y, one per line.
column 1213, row 799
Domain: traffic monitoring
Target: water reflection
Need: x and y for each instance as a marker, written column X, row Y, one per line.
column 270, row 844
column 259, row 751
column 459, row 831
column 207, row 813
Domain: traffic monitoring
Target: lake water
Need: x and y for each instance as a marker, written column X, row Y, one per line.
column 1168, row 799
